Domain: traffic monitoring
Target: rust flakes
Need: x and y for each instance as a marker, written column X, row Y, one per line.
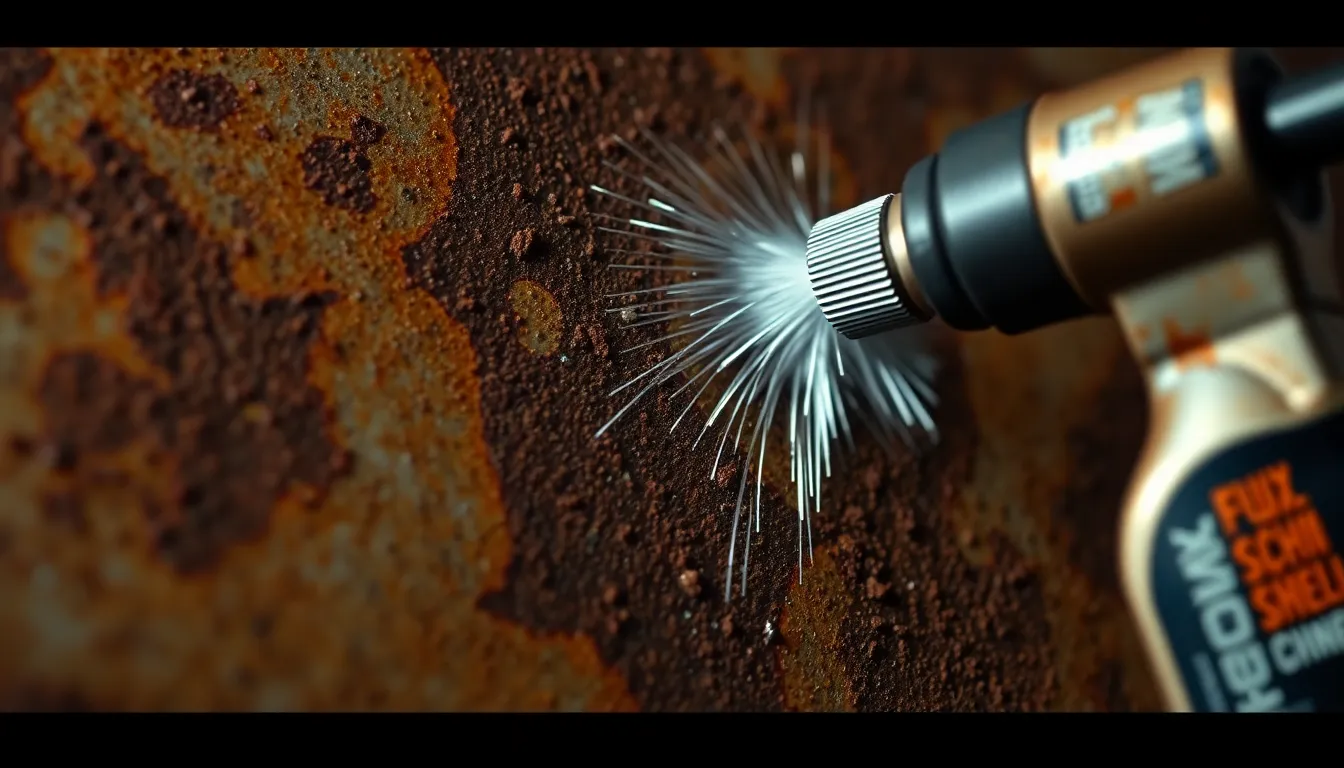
column 186, row 99
column 815, row 678
column 1192, row 348
column 525, row 244
column 379, row 553
column 365, row 131
column 339, row 171
column 90, row 405
column 538, row 317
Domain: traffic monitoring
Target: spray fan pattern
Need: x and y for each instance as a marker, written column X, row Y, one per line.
column 725, row 235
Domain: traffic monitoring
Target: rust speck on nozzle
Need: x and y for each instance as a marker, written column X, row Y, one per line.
column 1188, row 348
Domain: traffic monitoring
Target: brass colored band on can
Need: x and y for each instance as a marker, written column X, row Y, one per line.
column 1155, row 215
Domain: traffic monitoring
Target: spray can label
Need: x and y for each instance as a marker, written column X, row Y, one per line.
column 1248, row 581
column 1148, row 146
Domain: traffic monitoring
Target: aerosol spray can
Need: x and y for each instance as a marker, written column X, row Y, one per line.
column 1186, row 196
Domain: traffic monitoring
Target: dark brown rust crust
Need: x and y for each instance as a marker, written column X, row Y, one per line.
column 186, row 99
column 239, row 417
column 929, row 631
column 606, row 529
column 339, row 170
column 603, row 529
column 236, row 424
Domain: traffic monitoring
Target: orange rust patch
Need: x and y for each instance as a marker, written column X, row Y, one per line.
column 63, row 311
column 368, row 601
column 1188, row 349
column 757, row 69
column 538, row 317
column 240, row 183
column 814, row 677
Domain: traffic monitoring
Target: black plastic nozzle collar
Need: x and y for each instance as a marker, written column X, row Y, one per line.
column 973, row 237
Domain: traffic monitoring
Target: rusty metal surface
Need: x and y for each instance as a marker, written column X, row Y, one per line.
column 266, row 427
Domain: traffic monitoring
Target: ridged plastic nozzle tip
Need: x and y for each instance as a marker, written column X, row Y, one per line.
column 853, row 275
